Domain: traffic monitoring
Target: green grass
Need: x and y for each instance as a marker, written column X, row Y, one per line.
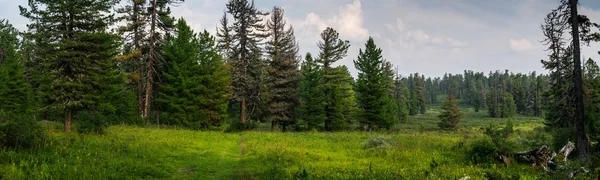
column 419, row 151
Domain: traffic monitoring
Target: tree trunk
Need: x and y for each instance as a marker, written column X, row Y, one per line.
column 150, row 66
column 138, row 63
column 582, row 141
column 68, row 120
column 273, row 125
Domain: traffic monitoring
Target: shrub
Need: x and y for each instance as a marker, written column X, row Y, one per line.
column 91, row 122
column 20, row 131
column 377, row 143
column 482, row 151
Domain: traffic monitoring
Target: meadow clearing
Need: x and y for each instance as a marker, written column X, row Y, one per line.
column 419, row 150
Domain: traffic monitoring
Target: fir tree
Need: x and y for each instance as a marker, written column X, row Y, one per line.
column 372, row 85
column 247, row 66
column 195, row 91
column 283, row 71
column 451, row 115
column 68, row 38
column 311, row 113
column 15, row 93
column 332, row 49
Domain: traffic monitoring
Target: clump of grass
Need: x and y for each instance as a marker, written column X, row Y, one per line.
column 377, row 143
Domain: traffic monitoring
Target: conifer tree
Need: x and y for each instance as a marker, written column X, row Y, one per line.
column 15, row 93
column 401, row 95
column 451, row 115
column 196, row 88
column 68, row 38
column 332, row 49
column 372, row 85
column 247, row 65
column 135, row 16
column 311, row 113
column 283, row 71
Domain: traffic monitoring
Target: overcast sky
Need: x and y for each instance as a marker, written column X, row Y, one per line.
column 431, row 37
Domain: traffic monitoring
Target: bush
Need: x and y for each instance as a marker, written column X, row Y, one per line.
column 91, row 122
column 20, row 131
column 377, row 143
column 482, row 151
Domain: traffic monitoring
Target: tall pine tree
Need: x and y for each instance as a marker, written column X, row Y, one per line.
column 283, row 71
column 372, row 85
column 332, row 49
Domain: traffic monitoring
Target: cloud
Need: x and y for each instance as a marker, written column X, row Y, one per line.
column 520, row 45
column 348, row 22
column 407, row 37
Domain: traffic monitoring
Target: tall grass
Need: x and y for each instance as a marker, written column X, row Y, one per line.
column 419, row 150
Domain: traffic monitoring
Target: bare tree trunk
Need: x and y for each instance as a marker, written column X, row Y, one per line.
column 582, row 141
column 68, row 120
column 138, row 63
column 150, row 66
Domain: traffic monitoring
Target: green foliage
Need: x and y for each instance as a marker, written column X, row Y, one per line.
column 482, row 152
column 196, row 88
column 507, row 107
column 15, row 94
column 372, row 87
column 248, row 72
column 74, row 58
column 311, row 113
column 91, row 122
column 450, row 115
column 500, row 137
column 332, row 49
column 283, row 71
column 20, row 131
column 485, row 150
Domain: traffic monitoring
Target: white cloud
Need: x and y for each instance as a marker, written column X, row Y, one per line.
column 417, row 37
column 520, row 45
column 348, row 22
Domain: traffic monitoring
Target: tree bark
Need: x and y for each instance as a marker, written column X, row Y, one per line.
column 68, row 120
column 150, row 66
column 582, row 141
column 138, row 63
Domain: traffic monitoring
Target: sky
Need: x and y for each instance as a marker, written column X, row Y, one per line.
column 431, row 37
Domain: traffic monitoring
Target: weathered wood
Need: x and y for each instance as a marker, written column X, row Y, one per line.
column 541, row 157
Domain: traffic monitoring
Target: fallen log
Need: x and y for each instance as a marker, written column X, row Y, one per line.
column 541, row 157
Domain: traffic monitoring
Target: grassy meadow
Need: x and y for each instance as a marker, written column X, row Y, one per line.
column 419, row 151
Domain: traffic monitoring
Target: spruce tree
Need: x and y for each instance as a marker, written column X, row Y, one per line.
column 247, row 65
column 196, row 88
column 15, row 92
column 332, row 49
column 283, row 71
column 68, row 38
column 345, row 106
column 311, row 112
column 372, row 85
column 401, row 95
column 451, row 115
